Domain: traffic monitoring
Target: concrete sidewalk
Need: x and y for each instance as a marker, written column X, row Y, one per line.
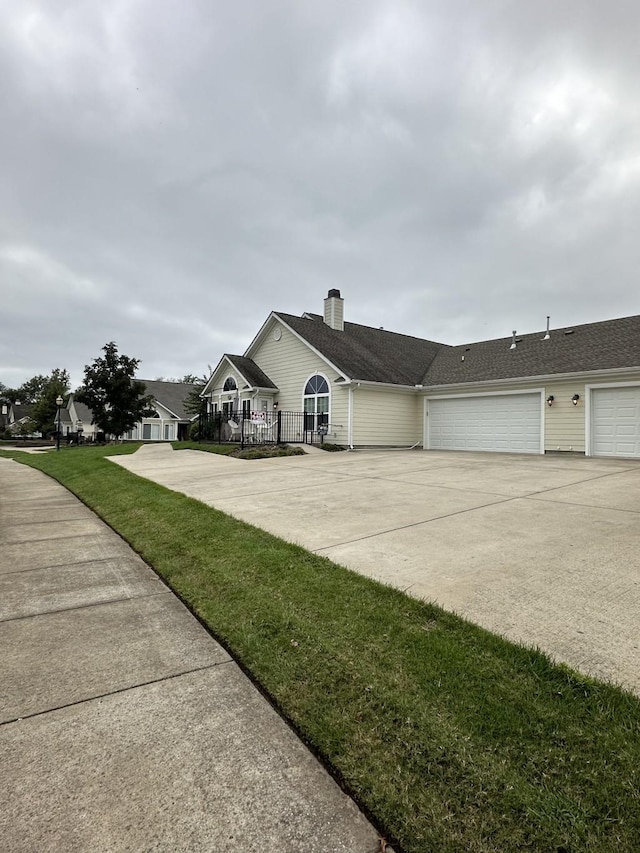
column 123, row 724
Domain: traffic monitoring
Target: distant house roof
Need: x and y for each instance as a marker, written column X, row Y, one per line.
column 607, row 345
column 84, row 412
column 18, row 411
column 171, row 395
column 247, row 367
column 365, row 353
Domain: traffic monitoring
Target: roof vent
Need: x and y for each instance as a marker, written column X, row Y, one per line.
column 547, row 335
column 569, row 332
column 513, row 340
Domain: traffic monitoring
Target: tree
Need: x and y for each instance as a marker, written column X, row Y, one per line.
column 24, row 428
column 33, row 389
column 194, row 404
column 42, row 392
column 10, row 395
column 116, row 399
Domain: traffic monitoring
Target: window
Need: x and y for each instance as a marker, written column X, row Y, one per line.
column 151, row 432
column 316, row 402
column 169, row 434
column 246, row 409
column 230, row 384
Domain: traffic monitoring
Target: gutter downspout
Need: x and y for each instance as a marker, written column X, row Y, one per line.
column 350, row 427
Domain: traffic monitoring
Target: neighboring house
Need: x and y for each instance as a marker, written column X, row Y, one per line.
column 573, row 389
column 19, row 414
column 171, row 422
column 78, row 419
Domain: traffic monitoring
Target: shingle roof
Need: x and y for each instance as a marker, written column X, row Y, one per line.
column 367, row 354
column 84, row 412
column 171, row 395
column 607, row 345
column 250, row 370
column 21, row 410
column 377, row 355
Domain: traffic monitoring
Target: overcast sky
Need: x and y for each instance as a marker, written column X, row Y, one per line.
column 170, row 172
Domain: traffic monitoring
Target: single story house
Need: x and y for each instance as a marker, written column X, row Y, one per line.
column 16, row 416
column 75, row 417
column 575, row 389
column 170, row 422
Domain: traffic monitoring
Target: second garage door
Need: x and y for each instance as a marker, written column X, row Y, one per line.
column 615, row 421
column 508, row 423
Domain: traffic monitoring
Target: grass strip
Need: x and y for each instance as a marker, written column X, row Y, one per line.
column 452, row 738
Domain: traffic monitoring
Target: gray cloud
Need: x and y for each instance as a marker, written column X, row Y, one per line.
column 171, row 173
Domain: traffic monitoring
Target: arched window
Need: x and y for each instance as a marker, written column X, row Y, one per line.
column 316, row 402
column 230, row 384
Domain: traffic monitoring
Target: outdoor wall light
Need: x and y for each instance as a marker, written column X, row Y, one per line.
column 575, row 399
column 275, row 405
column 550, row 400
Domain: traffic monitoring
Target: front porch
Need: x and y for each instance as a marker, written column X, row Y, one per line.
column 252, row 428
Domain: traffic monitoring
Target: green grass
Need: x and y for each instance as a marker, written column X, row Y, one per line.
column 450, row 737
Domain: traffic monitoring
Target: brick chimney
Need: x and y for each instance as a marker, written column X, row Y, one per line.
column 334, row 310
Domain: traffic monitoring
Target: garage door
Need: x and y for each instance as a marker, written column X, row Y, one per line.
column 509, row 423
column 615, row 421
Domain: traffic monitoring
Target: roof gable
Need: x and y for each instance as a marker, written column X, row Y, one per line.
column 246, row 368
column 170, row 395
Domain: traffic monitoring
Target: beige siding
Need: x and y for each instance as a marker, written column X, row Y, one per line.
column 564, row 422
column 386, row 418
column 289, row 363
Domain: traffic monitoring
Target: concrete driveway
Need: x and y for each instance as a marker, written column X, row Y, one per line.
column 542, row 549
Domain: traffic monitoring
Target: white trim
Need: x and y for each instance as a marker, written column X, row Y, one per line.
column 390, row 386
column 350, row 416
column 308, row 396
column 427, row 444
column 588, row 411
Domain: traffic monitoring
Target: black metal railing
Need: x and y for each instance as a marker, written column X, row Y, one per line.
column 260, row 428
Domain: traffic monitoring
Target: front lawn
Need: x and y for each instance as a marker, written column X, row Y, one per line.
column 451, row 738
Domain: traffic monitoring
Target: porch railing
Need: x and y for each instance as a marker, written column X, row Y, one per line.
column 260, row 428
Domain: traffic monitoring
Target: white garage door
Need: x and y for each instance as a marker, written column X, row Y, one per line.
column 615, row 421
column 509, row 423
